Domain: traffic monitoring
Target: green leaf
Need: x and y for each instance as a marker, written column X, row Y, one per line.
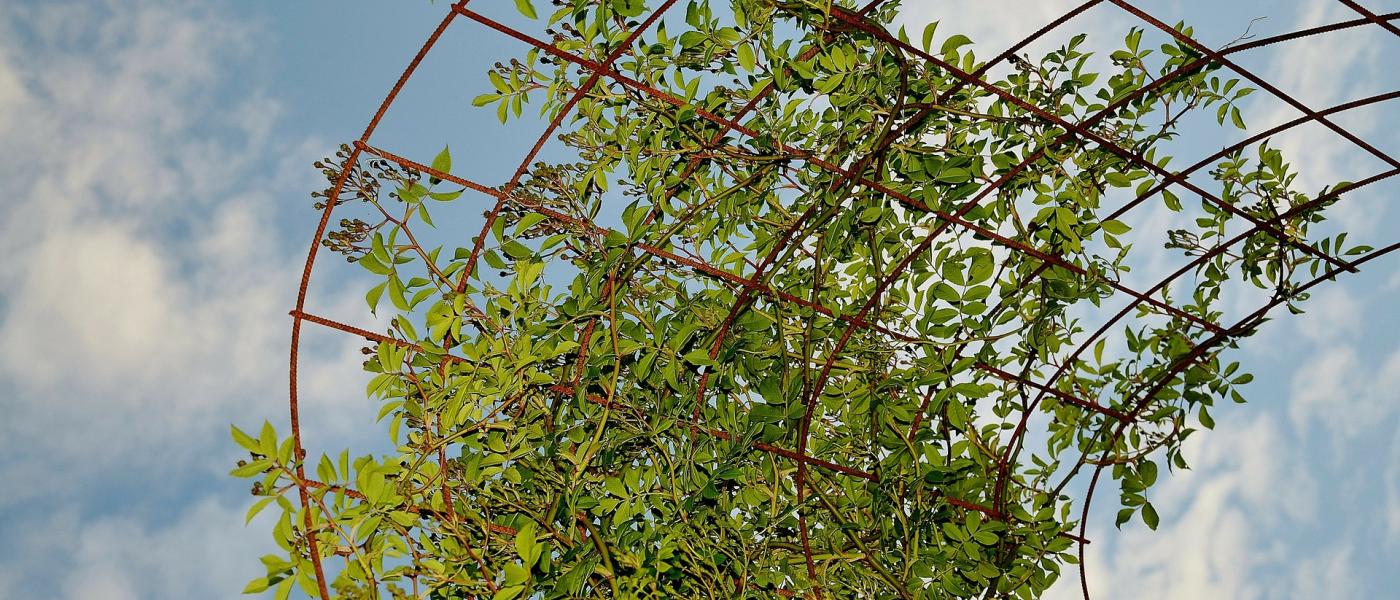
column 767, row 413
column 981, row 269
column 284, row 589
column 526, row 8
column 516, row 250
column 499, row 83
column 953, row 531
column 699, row 357
column 493, row 260
column 373, row 265
column 1171, row 201
column 397, row 293
column 516, row 575
column 528, row 221
column 1115, row 227
column 953, row 43
column 1149, row 516
column 443, row 161
column 928, row 34
column 629, row 8
column 254, row 510
column 1124, row 515
column 958, row 415
column 445, row 196
column 747, row 60
column 267, row 440
column 307, row 582
column 252, row 468
column 526, row 545
column 372, row 298
column 509, row 592
column 257, row 585
column 244, row 440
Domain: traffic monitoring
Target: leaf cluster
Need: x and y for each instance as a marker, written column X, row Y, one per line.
column 804, row 358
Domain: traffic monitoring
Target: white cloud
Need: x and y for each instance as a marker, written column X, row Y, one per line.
column 146, row 284
column 1341, row 387
column 202, row 552
column 145, row 306
column 1252, row 518
column 1324, row 71
column 1336, row 389
column 147, row 277
column 1326, row 574
column 1213, row 540
column 1333, row 314
column 994, row 25
column 110, row 315
column 1392, row 495
column 1247, row 520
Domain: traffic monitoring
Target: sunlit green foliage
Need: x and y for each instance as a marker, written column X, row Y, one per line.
column 568, row 450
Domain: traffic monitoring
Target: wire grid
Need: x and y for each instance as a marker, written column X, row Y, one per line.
column 752, row 286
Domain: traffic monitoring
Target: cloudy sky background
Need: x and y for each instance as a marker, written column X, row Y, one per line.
column 154, row 171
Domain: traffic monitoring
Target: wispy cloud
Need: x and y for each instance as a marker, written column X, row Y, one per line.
column 994, row 25
column 203, row 552
column 146, row 282
column 1252, row 519
column 1392, row 496
column 1213, row 541
column 1321, row 72
column 118, row 309
column 1338, row 392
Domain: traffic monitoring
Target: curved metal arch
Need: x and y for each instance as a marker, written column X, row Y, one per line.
column 554, row 124
column 331, row 201
column 752, row 286
column 1260, row 81
column 1190, row 359
column 1260, row 226
column 1071, row 130
column 1205, row 257
column 881, row 187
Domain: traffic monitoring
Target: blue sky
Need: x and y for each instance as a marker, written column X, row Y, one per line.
column 154, row 175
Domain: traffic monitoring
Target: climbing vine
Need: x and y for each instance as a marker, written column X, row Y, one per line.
column 833, row 344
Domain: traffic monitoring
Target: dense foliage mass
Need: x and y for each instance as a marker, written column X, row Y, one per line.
column 809, row 357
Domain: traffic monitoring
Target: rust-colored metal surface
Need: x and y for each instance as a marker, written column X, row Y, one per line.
column 753, row 286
